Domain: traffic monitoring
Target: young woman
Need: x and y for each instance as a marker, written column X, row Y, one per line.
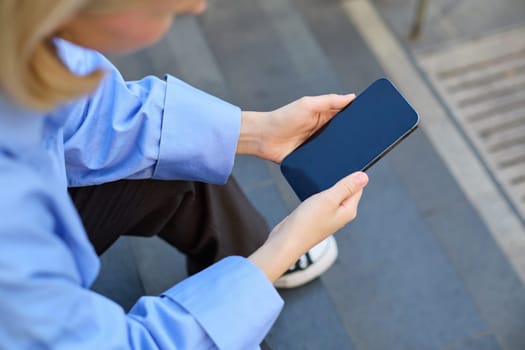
column 68, row 119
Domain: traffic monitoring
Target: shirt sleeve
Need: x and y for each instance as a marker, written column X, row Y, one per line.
column 151, row 128
column 43, row 303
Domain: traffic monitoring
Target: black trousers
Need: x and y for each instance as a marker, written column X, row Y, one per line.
column 205, row 222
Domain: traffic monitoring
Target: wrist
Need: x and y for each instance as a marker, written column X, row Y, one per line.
column 249, row 136
column 277, row 254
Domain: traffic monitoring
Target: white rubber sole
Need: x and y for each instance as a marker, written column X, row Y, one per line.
column 299, row 278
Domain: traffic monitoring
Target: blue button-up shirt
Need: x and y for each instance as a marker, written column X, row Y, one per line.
column 151, row 128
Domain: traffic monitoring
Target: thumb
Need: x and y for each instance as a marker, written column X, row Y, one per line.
column 349, row 186
column 348, row 192
column 337, row 102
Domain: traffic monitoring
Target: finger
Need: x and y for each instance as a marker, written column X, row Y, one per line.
column 324, row 103
column 337, row 102
column 349, row 186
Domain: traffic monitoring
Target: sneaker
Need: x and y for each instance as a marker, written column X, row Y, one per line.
column 310, row 266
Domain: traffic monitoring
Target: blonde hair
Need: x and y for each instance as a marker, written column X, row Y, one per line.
column 31, row 72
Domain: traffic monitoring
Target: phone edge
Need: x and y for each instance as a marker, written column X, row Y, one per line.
column 394, row 144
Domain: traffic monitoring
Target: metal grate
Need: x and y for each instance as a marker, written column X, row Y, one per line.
column 483, row 82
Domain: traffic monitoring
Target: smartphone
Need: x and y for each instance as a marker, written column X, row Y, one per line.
column 356, row 138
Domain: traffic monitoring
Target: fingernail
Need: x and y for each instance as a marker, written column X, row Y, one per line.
column 361, row 178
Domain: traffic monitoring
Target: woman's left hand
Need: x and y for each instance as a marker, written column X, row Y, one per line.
column 273, row 135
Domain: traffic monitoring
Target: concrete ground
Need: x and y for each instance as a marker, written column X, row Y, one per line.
column 433, row 260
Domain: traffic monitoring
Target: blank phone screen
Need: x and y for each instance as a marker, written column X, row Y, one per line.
column 352, row 141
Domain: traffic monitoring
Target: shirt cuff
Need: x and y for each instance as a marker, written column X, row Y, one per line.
column 232, row 300
column 199, row 135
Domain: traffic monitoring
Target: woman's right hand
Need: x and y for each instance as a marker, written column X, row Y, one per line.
column 311, row 222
